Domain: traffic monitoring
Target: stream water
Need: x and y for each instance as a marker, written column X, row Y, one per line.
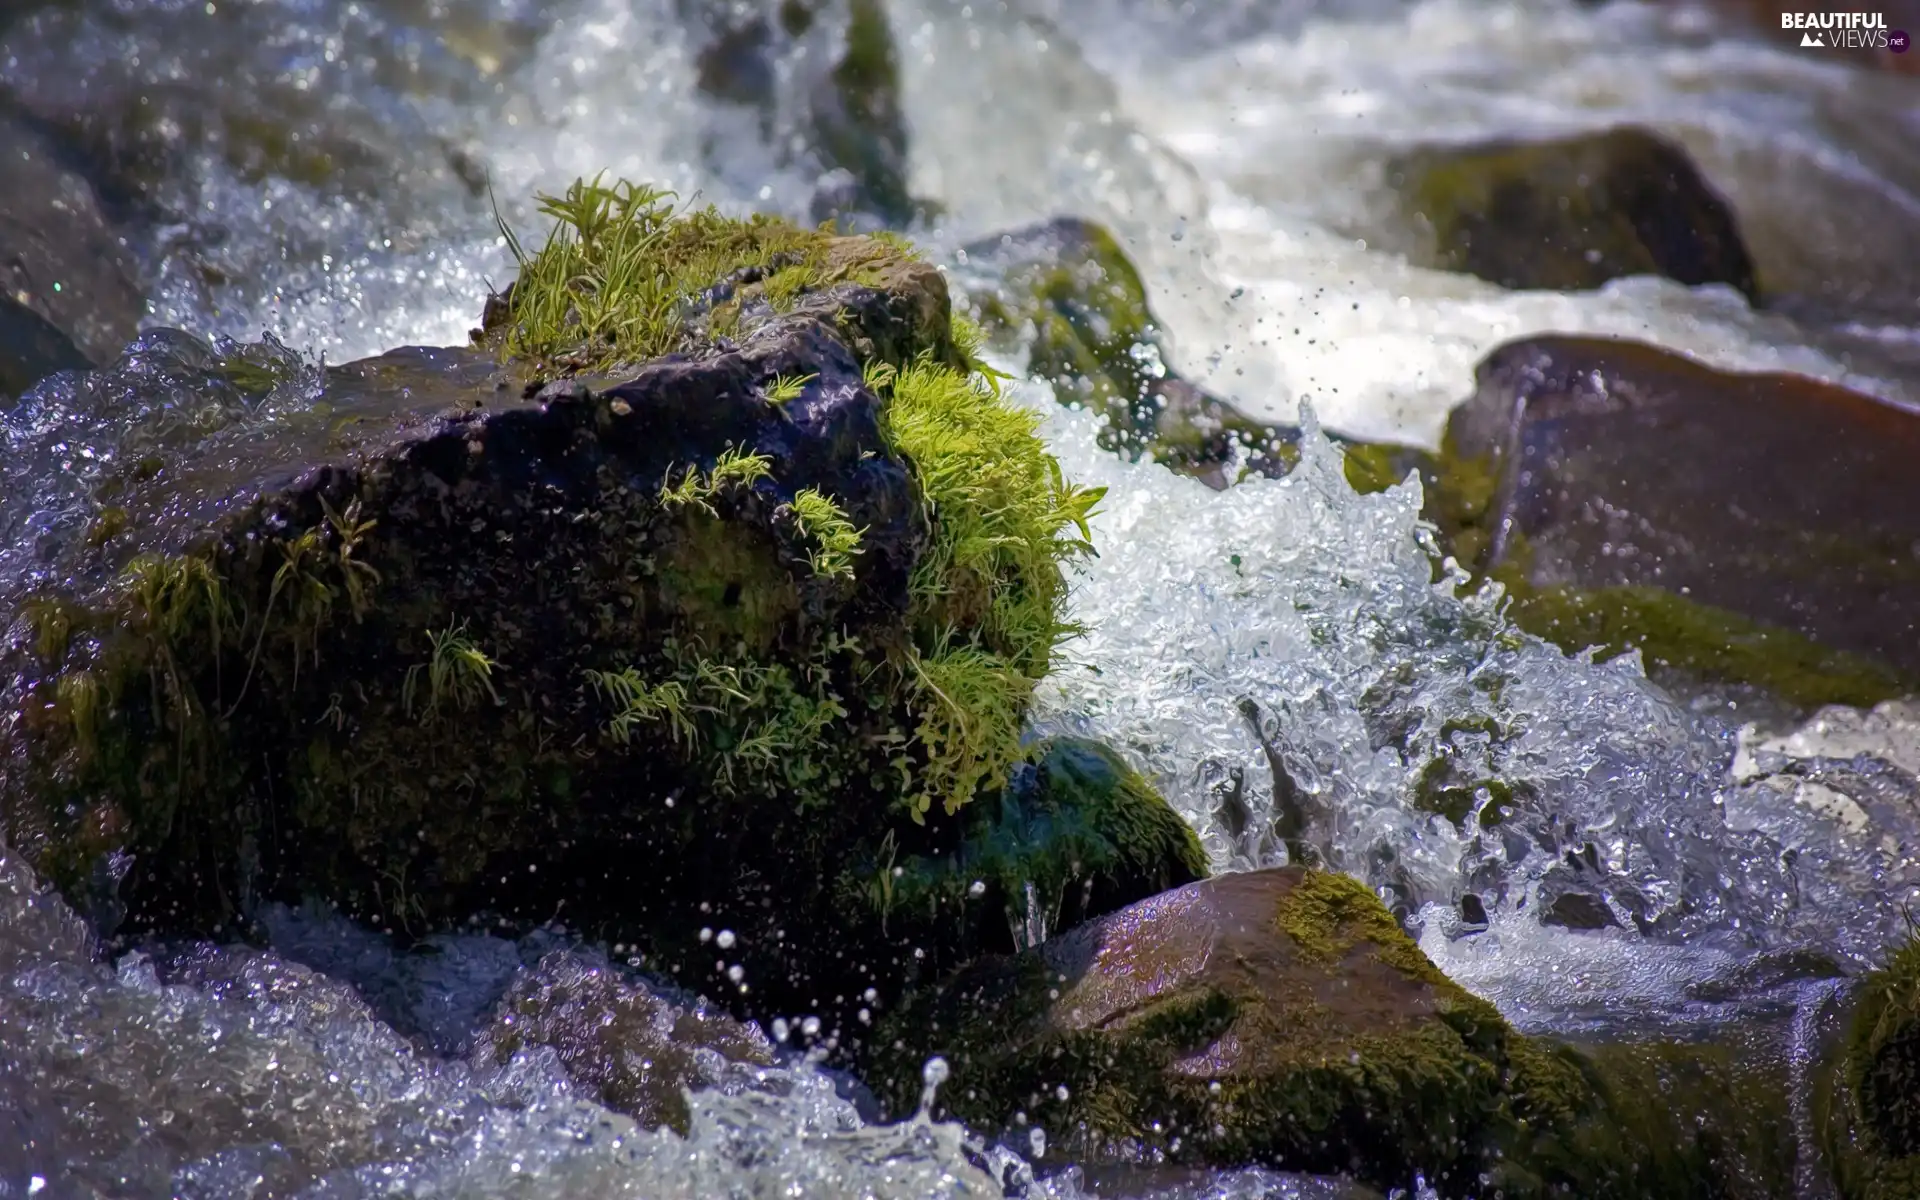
column 1236, row 150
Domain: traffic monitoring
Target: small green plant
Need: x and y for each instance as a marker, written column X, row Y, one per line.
column 734, row 468
column 357, row 576
column 787, row 387
column 824, row 523
column 878, row 374
column 638, row 702
column 456, row 671
column 623, row 271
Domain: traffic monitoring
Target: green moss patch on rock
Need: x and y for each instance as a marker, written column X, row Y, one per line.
column 1077, row 833
column 666, row 648
column 1572, row 213
column 1867, row 1101
column 1282, row 1017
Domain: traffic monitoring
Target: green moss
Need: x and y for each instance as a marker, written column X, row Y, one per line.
column 989, row 595
column 1076, row 825
column 1701, row 641
column 1867, row 1102
column 824, row 523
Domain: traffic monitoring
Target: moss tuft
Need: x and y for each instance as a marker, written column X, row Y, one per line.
column 988, row 596
column 824, row 523
column 1867, row 1105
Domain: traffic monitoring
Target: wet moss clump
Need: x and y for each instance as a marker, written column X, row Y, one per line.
column 1282, row 1017
column 1076, row 833
column 653, row 643
column 1867, row 1102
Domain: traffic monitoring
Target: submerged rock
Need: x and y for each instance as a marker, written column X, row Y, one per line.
column 1867, row 1099
column 1066, row 293
column 62, row 258
column 1572, row 213
column 677, row 646
column 32, row 348
column 821, row 80
column 1281, row 1017
column 1755, row 528
column 635, row 1050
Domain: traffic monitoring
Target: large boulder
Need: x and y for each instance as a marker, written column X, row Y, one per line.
column 1759, row 528
column 1281, row 1017
column 1573, row 213
column 681, row 644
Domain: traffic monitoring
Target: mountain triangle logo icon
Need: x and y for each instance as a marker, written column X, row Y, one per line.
column 1812, row 39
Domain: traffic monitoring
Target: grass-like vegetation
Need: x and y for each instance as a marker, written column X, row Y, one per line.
column 627, row 274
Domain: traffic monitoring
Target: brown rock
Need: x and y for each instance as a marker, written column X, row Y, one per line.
column 1598, row 464
column 1282, row 1017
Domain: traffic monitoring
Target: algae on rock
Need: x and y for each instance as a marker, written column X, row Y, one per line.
column 680, row 642
column 1282, row 1017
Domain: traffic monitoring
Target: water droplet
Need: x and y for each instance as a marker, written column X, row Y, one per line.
column 725, row 939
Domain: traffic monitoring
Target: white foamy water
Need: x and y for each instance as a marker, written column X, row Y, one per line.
column 1236, row 148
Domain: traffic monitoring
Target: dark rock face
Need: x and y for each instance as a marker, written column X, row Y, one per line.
column 61, row 257
column 407, row 654
column 1281, row 1017
column 1574, row 213
column 1066, row 292
column 636, row 1050
column 1618, row 468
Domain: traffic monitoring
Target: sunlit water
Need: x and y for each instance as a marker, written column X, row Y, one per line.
column 1237, row 155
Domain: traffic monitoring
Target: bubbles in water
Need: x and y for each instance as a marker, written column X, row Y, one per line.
column 1293, row 626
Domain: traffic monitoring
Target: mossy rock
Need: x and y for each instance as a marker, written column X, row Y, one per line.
column 1077, row 833
column 674, row 645
column 829, row 67
column 1867, row 1098
column 1281, row 1017
column 1746, row 528
column 1573, row 213
column 1065, row 292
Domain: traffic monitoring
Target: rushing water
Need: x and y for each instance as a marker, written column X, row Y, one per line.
column 1236, row 149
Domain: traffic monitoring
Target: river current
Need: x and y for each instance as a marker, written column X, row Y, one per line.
column 1235, row 149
